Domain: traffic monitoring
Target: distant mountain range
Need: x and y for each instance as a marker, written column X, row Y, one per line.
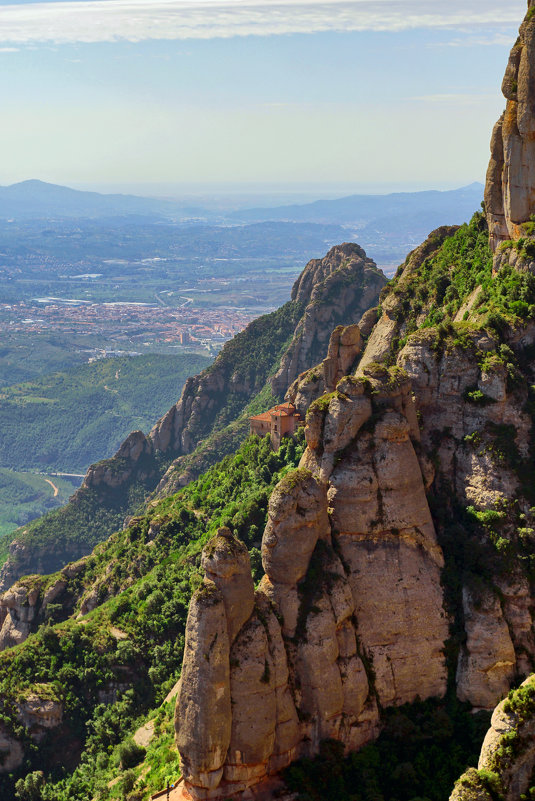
column 387, row 226
column 361, row 210
column 37, row 199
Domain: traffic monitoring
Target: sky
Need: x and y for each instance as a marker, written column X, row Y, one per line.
column 369, row 95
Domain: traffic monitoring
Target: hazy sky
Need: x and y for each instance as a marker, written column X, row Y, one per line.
column 375, row 93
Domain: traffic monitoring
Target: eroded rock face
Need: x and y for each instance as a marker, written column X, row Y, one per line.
column 203, row 717
column 40, row 711
column 472, row 472
column 297, row 519
column 26, row 604
column 352, row 578
column 17, row 611
column 487, row 660
column 338, row 289
column 345, row 345
column 510, row 184
column 226, row 562
column 391, row 323
column 513, row 721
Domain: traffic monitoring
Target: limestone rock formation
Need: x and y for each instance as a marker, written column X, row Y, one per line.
column 487, row 660
column 352, row 559
column 352, row 579
column 17, row 610
column 27, row 603
column 392, row 323
column 345, row 345
column 40, row 710
column 235, row 716
column 510, row 184
column 337, row 289
column 507, row 758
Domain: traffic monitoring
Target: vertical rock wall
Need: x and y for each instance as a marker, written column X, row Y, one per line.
column 348, row 617
column 510, row 184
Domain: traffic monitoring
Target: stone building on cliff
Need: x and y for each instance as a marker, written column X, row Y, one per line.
column 280, row 421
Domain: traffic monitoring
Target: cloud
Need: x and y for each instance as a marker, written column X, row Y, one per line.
column 138, row 20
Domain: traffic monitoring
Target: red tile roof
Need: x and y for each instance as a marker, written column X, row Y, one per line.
column 264, row 416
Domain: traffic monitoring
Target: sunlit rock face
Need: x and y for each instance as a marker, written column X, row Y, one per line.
column 348, row 618
column 510, row 184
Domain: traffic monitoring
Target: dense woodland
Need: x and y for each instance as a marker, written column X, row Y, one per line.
column 75, row 660
column 68, row 420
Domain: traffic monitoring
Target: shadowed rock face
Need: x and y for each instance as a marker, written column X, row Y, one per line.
column 508, row 752
column 510, row 184
column 352, row 579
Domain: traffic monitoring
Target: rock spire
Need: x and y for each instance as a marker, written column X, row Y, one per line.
column 510, row 184
column 348, row 617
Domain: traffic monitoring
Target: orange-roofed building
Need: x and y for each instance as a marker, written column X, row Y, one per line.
column 281, row 421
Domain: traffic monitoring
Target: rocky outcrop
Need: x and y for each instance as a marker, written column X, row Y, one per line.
column 352, row 558
column 40, row 710
column 25, row 558
column 352, row 579
column 345, row 345
column 235, row 716
column 392, row 323
column 507, row 758
column 510, row 184
column 487, row 661
column 337, row 289
column 475, row 425
column 132, row 458
column 29, row 602
column 17, row 611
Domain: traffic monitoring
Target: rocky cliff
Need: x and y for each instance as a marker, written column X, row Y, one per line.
column 337, row 290
column 398, row 558
column 510, row 185
column 507, row 761
column 211, row 417
column 349, row 616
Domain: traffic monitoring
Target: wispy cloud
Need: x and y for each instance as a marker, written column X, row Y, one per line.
column 137, row 20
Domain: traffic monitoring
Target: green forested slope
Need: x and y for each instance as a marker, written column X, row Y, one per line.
column 25, row 496
column 144, row 577
column 67, row 420
column 254, row 354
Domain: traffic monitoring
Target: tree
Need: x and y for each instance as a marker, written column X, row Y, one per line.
column 29, row 788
